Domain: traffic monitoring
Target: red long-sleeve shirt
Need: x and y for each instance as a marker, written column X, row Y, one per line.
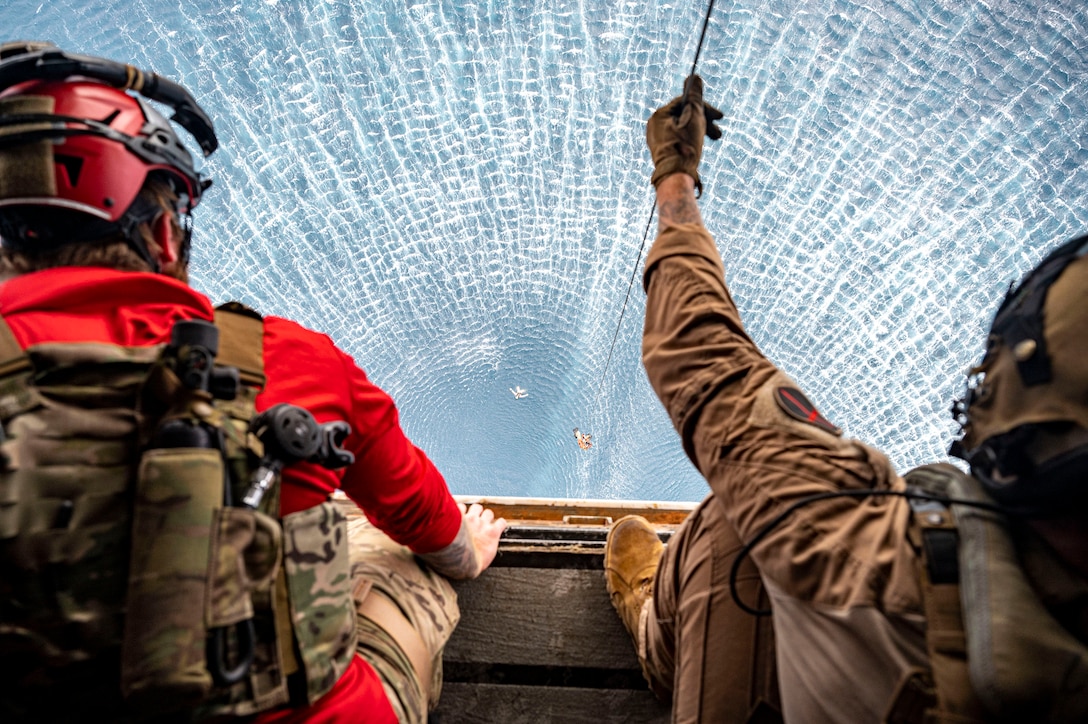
column 392, row 481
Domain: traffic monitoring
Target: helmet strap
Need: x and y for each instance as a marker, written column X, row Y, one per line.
column 186, row 238
column 141, row 211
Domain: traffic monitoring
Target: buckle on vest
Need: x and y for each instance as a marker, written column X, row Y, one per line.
column 940, row 540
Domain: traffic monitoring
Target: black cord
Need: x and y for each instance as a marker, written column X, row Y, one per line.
column 646, row 233
column 747, row 549
column 702, row 35
column 630, row 284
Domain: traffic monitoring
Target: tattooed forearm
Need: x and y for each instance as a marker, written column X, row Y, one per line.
column 678, row 209
column 458, row 560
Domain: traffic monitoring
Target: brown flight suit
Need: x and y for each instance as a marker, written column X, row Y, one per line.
column 842, row 578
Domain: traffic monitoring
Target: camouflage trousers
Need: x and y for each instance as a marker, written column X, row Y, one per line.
column 379, row 566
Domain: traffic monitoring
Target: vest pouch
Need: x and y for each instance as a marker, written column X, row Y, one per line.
column 320, row 593
column 1024, row 664
column 245, row 556
column 164, row 654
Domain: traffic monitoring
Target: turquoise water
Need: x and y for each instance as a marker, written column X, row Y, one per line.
column 457, row 194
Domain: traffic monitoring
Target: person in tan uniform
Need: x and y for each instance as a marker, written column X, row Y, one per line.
column 826, row 529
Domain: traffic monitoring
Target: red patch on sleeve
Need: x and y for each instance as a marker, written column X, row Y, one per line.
column 794, row 403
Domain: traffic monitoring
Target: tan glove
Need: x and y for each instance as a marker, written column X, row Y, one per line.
column 675, row 133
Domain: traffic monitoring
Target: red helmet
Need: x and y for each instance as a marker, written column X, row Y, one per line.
column 76, row 148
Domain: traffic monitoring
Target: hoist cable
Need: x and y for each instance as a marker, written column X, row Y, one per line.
column 630, row 284
column 646, row 233
column 702, row 36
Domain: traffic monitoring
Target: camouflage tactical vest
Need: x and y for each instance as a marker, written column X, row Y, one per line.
column 133, row 586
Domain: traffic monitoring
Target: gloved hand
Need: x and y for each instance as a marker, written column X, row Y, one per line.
column 675, row 133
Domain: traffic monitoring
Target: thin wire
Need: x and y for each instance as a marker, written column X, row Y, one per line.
column 699, row 48
column 646, row 233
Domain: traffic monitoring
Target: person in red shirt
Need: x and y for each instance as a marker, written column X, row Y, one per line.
column 96, row 193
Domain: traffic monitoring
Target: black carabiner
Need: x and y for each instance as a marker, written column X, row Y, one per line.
column 221, row 673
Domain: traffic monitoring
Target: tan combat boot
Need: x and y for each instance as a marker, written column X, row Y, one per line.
column 631, row 555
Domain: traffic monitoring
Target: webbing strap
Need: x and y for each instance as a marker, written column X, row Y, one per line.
column 767, row 701
column 241, row 345
column 946, row 642
column 285, row 632
column 12, row 357
column 241, row 341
